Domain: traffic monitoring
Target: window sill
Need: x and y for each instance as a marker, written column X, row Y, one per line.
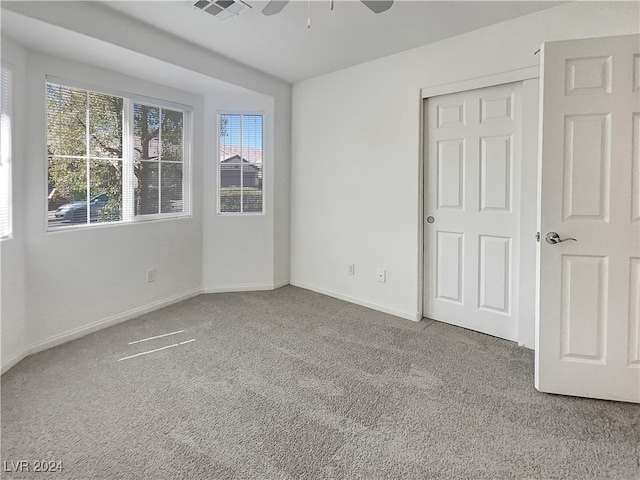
column 239, row 214
column 97, row 225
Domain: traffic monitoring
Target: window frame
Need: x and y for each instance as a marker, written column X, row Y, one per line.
column 7, row 68
column 219, row 114
column 128, row 156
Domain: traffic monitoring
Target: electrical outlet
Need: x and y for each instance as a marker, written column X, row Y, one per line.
column 151, row 275
column 352, row 269
column 381, row 275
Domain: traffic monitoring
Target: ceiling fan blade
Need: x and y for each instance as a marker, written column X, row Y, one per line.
column 274, row 6
column 378, row 6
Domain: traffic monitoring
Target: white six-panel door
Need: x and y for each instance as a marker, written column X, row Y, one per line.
column 472, row 209
column 588, row 329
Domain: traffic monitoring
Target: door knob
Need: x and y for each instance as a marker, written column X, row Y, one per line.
column 553, row 238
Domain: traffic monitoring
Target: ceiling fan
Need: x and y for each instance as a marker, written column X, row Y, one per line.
column 376, row 6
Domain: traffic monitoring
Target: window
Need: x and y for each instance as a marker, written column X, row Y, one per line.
column 240, row 167
column 5, row 152
column 114, row 159
column 158, row 149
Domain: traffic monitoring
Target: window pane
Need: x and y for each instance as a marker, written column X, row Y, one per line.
column 103, row 182
column 171, row 194
column 229, row 183
column 230, row 172
column 105, row 204
column 252, row 138
column 240, row 163
column 252, row 191
column 172, row 125
column 6, row 152
column 66, row 120
column 230, row 199
column 67, row 180
column 146, row 188
column 146, row 125
column 105, row 125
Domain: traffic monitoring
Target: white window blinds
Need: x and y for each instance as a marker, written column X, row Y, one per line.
column 6, row 152
column 114, row 159
column 159, row 159
column 85, row 154
column 240, row 163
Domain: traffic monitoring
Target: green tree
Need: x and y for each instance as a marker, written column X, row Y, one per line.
column 81, row 124
column 88, row 124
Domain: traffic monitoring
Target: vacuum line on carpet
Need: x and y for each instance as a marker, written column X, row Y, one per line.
column 156, row 349
column 157, row 336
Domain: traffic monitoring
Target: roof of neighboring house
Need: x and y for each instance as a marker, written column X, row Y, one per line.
column 234, row 163
column 251, row 155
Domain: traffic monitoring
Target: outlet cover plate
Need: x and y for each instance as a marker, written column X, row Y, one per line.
column 151, row 275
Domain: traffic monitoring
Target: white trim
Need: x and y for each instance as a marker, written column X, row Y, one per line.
column 95, row 326
column 129, row 100
column 421, row 218
column 280, row 284
column 244, row 287
column 518, row 76
column 511, row 76
column 82, row 226
column 242, row 113
column 414, row 317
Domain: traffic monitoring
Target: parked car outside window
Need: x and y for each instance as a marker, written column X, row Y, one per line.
column 76, row 212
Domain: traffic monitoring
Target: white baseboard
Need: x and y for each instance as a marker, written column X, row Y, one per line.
column 244, row 287
column 414, row 317
column 280, row 284
column 138, row 311
column 13, row 360
column 95, row 326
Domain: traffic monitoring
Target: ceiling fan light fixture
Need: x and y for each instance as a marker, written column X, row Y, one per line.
column 376, row 6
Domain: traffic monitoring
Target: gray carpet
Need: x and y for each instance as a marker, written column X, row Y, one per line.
column 291, row 384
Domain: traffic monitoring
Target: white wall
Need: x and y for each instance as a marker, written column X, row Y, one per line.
column 356, row 148
column 80, row 277
column 67, row 283
column 96, row 21
column 12, row 251
column 238, row 250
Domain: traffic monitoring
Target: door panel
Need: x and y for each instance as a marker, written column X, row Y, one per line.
column 587, row 327
column 450, row 271
column 451, row 174
column 495, row 269
column 634, row 317
column 495, row 173
column 635, row 198
column 586, row 166
column 584, row 315
column 472, row 192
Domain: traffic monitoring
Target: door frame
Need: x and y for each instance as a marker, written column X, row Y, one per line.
column 529, row 187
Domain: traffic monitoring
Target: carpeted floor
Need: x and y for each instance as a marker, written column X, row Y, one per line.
column 291, row 384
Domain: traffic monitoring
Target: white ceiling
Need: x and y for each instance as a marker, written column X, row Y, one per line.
column 29, row 32
column 350, row 34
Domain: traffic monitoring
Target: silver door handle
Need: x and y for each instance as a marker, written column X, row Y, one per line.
column 553, row 238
